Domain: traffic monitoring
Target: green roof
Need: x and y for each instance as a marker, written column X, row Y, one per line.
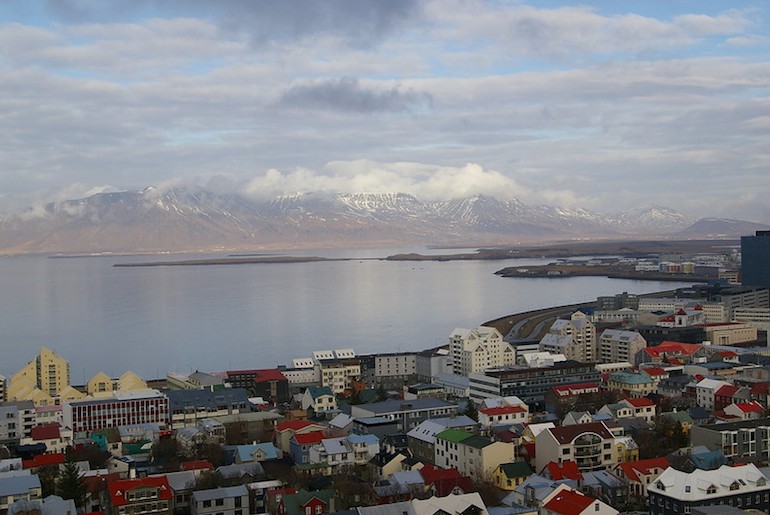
column 453, row 435
column 477, row 441
column 678, row 416
column 516, row 469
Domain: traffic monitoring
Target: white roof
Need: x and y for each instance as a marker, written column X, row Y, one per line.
column 695, row 485
column 449, row 504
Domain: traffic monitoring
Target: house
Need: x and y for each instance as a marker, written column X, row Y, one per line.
column 422, row 439
column 591, row 446
column 566, row 501
column 605, row 485
column 533, row 492
column 705, row 392
column 141, row 495
column 18, row 486
column 472, row 455
column 319, row 399
column 285, row 430
column 300, row 444
column 55, row 437
column 304, row 503
column 642, row 407
column 442, row 482
column 508, row 476
column 503, row 415
column 463, row 504
column 233, row 500
column 631, row 383
column 257, row 452
column 743, row 487
column 181, row 484
column 744, row 411
column 641, row 473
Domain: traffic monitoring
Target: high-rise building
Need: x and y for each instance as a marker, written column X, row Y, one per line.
column 755, row 259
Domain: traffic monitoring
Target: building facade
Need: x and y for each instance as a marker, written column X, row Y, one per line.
column 122, row 409
column 755, row 255
column 474, row 350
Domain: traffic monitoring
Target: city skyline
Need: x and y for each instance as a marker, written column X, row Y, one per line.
column 597, row 105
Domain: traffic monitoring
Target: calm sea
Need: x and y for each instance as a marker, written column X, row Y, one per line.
column 152, row 320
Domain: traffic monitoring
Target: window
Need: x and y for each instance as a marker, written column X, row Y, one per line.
column 207, row 504
column 220, row 502
column 319, row 508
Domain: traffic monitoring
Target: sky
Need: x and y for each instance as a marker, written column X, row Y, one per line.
column 601, row 105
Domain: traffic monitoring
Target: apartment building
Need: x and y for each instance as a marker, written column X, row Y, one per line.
column 121, row 409
column 591, row 446
column 17, row 418
column 616, row 345
column 390, row 370
column 529, row 384
column 575, row 338
column 406, row 414
column 741, row 441
column 233, row 500
column 674, row 491
column 141, row 495
column 474, row 350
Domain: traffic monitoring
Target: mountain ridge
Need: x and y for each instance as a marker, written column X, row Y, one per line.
column 195, row 219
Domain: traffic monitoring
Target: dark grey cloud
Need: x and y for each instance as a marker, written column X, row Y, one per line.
column 347, row 94
column 355, row 22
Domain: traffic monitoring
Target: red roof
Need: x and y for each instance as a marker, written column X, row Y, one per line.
column 632, row 469
column 41, row 460
column 750, row 407
column 727, row 354
column 270, row 374
column 309, row 438
column 444, row 481
column 677, row 348
column 502, row 410
column 640, row 402
column 569, row 502
column 760, row 389
column 197, row 465
column 727, row 390
column 655, row 371
column 99, row 483
column 118, row 489
column 46, row 432
column 564, row 470
column 294, row 425
column 573, row 389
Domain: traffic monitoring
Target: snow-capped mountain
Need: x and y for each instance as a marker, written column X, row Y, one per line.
column 196, row 219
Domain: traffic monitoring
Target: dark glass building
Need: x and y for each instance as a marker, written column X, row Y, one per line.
column 755, row 259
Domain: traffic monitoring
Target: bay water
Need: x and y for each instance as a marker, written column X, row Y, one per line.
column 217, row 317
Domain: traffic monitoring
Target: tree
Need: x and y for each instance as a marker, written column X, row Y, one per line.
column 471, row 411
column 70, row 484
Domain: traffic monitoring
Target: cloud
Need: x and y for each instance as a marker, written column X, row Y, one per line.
column 354, row 22
column 425, row 181
column 347, row 94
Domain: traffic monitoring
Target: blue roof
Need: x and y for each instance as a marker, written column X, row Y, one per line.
column 318, row 391
column 246, row 452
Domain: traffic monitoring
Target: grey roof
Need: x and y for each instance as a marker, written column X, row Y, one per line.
column 15, row 485
column 396, row 508
column 183, row 480
column 238, row 470
column 397, row 405
column 335, row 445
column 193, row 399
column 220, row 493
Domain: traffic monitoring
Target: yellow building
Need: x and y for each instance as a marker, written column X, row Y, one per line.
column 43, row 380
column 507, row 476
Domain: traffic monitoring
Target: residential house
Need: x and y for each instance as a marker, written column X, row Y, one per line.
column 285, row 430
column 566, row 501
column 503, row 415
column 472, row 455
column 705, row 392
column 319, row 399
column 463, row 504
column 639, row 474
column 642, row 407
column 422, row 439
column 55, row 437
column 141, row 495
column 16, row 486
column 507, row 476
column 301, row 443
column 591, row 446
column 307, row 503
column 631, row 383
column 744, row 411
column 442, row 482
column 232, row 500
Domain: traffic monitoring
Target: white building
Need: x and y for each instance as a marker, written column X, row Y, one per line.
column 575, row 338
column 474, row 350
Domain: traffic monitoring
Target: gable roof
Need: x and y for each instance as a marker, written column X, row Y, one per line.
column 294, row 425
column 502, row 410
column 119, row 489
column 566, row 434
column 46, row 432
column 632, row 469
column 310, row 438
column 42, row 460
column 569, row 502
column 564, row 470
